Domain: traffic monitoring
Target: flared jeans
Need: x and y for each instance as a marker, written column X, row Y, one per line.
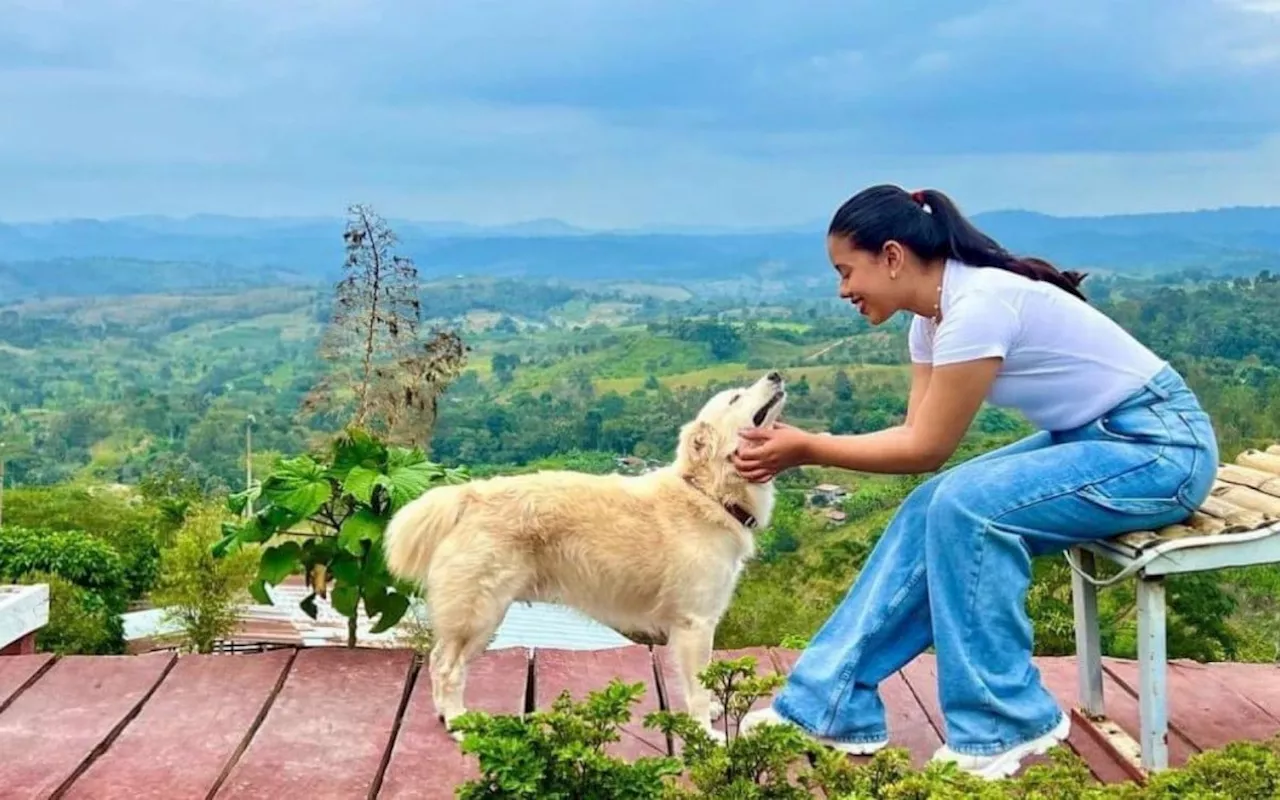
column 953, row 567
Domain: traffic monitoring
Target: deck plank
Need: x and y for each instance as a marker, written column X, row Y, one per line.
column 16, row 671
column 1207, row 711
column 328, row 729
column 188, row 731
column 426, row 762
column 1258, row 682
column 584, row 671
column 56, row 726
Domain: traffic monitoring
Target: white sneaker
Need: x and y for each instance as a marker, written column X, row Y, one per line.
column 767, row 716
column 1002, row 765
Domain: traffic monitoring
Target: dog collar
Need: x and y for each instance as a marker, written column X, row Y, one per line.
column 746, row 518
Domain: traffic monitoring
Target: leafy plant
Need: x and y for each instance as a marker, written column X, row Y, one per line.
column 202, row 593
column 324, row 515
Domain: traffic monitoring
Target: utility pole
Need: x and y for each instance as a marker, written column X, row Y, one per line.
column 1, row 483
column 248, row 463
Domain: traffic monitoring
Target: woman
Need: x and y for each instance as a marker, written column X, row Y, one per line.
column 1123, row 445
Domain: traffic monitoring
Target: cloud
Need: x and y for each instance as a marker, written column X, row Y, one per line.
column 627, row 112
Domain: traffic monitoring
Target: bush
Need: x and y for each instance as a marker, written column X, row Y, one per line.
column 202, row 593
column 80, row 622
column 128, row 526
column 559, row 753
column 83, row 560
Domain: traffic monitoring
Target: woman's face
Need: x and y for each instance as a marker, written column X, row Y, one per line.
column 867, row 280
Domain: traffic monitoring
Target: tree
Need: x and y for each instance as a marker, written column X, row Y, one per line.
column 385, row 375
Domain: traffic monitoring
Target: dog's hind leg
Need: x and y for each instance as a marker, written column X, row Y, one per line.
column 691, row 641
column 465, row 622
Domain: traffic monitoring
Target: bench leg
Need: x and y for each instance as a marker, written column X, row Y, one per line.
column 1152, row 665
column 1088, row 639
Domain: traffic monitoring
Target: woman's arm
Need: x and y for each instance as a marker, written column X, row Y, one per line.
column 920, row 374
column 939, row 414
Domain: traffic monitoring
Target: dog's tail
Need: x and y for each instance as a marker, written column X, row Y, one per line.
column 416, row 530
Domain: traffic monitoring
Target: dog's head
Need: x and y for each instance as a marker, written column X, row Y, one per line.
column 712, row 436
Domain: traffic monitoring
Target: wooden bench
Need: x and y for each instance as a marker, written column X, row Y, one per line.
column 1237, row 526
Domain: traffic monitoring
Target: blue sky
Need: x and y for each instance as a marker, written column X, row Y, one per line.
column 633, row 112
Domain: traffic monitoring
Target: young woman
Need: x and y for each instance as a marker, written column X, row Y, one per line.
column 1122, row 445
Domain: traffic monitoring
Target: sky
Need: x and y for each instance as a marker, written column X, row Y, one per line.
column 632, row 113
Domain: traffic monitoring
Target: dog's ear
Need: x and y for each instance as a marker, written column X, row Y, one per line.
column 700, row 439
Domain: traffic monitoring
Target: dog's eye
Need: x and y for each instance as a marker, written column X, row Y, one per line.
column 735, row 398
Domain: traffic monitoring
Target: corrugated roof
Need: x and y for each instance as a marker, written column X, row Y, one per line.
column 284, row 622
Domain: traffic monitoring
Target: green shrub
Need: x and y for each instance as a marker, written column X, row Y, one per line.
column 118, row 519
column 559, row 753
column 202, row 593
column 80, row 622
column 84, row 560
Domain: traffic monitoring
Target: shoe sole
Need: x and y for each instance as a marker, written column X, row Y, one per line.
column 1006, row 764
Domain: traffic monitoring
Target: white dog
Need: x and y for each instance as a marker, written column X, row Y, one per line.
column 657, row 553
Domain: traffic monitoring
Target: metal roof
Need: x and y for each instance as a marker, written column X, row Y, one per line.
column 284, row 622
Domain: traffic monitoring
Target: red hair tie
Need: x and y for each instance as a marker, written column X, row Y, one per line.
column 918, row 196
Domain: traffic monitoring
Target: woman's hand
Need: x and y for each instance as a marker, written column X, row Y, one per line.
column 767, row 451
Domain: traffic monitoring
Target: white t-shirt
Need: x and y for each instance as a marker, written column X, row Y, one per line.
column 1065, row 362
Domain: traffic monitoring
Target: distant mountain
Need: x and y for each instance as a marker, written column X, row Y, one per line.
column 155, row 253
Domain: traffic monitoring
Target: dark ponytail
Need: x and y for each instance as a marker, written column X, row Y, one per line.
column 929, row 223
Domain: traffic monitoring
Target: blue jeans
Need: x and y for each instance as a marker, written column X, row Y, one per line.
column 953, row 567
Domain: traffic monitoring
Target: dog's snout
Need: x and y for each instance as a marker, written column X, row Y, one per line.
column 774, row 377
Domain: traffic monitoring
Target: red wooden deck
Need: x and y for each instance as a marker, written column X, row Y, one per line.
column 330, row 722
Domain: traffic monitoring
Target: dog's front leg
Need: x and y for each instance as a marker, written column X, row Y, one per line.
column 691, row 642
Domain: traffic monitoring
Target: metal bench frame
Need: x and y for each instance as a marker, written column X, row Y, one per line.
column 1150, row 564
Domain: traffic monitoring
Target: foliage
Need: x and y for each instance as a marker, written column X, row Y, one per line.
column 324, row 515
column 202, row 593
column 80, row 621
column 561, row 753
column 83, row 560
column 112, row 514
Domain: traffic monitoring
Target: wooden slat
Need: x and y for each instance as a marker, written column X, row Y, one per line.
column 1253, row 478
column 17, row 671
column 426, row 761
column 1257, row 459
column 1244, row 497
column 583, row 671
column 188, row 731
column 1208, row 712
column 57, row 725
column 328, row 729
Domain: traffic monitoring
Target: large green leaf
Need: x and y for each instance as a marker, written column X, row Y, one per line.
column 345, row 569
column 298, row 485
column 357, row 448
column 409, row 474
column 361, row 526
column 393, row 606
column 345, row 600
column 360, row 483
column 279, row 562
